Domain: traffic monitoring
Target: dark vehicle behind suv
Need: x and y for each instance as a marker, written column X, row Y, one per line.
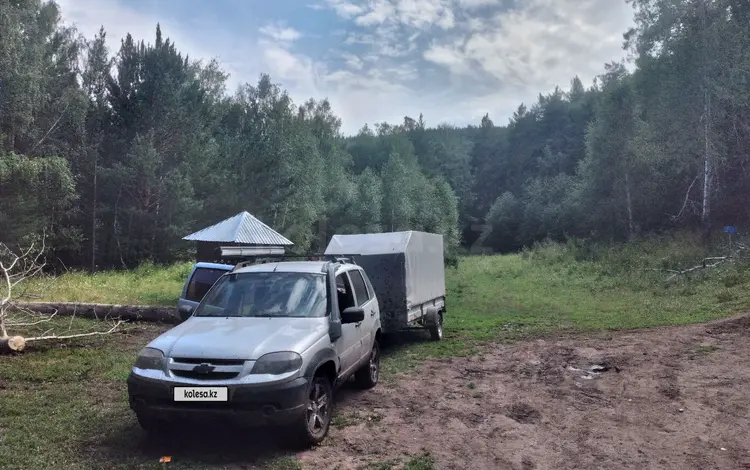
column 200, row 280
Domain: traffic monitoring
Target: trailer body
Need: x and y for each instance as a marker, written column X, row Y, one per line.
column 407, row 272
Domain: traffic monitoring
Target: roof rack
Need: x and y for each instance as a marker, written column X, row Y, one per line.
column 343, row 259
column 246, row 261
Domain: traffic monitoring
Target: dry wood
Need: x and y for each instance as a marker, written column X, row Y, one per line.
column 12, row 344
column 683, row 272
column 75, row 335
column 148, row 313
column 16, row 267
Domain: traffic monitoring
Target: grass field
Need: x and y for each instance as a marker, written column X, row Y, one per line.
column 65, row 405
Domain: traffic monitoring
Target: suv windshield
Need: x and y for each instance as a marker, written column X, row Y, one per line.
column 266, row 294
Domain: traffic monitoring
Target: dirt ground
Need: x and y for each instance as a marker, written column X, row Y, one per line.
column 665, row 398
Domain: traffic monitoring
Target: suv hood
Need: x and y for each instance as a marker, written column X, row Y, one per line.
column 240, row 338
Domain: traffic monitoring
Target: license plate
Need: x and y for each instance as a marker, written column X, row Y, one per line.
column 200, row 394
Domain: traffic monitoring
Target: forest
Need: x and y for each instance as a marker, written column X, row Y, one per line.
column 114, row 156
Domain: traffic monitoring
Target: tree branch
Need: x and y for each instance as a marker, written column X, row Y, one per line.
column 44, row 320
column 78, row 335
column 687, row 197
column 54, row 125
column 703, row 265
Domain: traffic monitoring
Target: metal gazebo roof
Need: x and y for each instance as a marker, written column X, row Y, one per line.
column 241, row 228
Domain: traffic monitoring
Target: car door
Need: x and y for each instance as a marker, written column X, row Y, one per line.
column 366, row 300
column 347, row 346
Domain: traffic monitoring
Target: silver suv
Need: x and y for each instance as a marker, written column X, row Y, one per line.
column 267, row 345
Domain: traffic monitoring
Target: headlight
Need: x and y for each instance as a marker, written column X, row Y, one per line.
column 277, row 363
column 150, row 358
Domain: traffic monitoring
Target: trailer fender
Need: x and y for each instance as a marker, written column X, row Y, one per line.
column 432, row 316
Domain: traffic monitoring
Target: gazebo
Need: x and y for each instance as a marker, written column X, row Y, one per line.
column 240, row 235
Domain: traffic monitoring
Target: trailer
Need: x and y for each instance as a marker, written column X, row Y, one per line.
column 407, row 273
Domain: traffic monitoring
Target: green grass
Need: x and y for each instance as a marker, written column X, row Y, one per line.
column 146, row 285
column 421, row 462
column 418, row 462
column 558, row 287
column 65, row 405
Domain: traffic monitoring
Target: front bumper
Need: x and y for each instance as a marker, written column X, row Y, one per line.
column 260, row 405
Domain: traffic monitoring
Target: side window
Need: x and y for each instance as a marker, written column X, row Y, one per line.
column 359, row 287
column 345, row 293
column 201, row 282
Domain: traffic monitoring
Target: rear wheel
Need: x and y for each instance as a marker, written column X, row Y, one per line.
column 313, row 426
column 369, row 374
column 436, row 330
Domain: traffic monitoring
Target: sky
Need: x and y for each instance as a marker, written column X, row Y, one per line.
column 380, row 60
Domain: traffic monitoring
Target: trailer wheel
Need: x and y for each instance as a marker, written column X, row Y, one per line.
column 436, row 329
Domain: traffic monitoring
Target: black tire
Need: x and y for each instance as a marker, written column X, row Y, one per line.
column 369, row 374
column 436, row 331
column 313, row 426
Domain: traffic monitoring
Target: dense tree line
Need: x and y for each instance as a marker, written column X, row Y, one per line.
column 115, row 155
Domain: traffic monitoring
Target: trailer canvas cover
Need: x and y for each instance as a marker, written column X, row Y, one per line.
column 406, row 269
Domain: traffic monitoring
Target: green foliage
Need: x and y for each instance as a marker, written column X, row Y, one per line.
column 37, row 195
column 503, row 220
column 157, row 148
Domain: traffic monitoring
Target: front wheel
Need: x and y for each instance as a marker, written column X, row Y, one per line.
column 313, row 426
column 369, row 374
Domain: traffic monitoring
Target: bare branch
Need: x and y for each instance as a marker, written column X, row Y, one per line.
column 54, row 125
column 78, row 335
column 687, row 197
column 44, row 320
column 14, row 269
column 718, row 259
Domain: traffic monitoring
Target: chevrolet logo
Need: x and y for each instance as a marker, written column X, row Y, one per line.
column 203, row 368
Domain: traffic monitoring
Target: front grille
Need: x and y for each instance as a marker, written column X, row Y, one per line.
column 215, row 362
column 209, row 376
column 191, row 368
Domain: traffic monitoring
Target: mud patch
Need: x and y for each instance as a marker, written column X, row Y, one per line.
column 527, row 464
column 670, row 390
column 523, row 413
column 735, row 325
column 528, row 407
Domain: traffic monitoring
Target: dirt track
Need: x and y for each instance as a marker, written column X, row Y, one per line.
column 664, row 398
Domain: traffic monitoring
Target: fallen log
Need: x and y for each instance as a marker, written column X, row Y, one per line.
column 149, row 313
column 12, row 344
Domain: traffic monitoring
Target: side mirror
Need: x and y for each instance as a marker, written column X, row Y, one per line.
column 352, row 315
column 334, row 330
column 185, row 311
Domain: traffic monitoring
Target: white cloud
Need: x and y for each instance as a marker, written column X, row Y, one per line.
column 512, row 54
column 420, row 14
column 345, row 9
column 449, row 56
column 279, row 32
column 353, row 62
column 542, row 44
column 471, row 4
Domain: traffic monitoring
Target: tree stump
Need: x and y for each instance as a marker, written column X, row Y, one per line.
column 12, row 344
